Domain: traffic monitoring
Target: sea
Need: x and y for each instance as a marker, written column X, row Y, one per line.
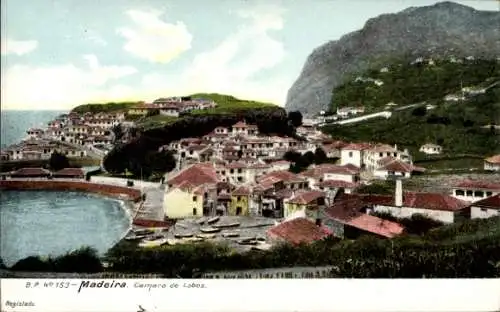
column 14, row 123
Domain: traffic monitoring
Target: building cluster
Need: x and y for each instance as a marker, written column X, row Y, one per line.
column 73, row 135
column 172, row 106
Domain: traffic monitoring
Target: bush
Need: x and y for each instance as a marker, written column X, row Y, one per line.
column 33, row 264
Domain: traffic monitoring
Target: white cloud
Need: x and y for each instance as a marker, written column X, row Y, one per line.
column 59, row 86
column 153, row 39
column 18, row 47
column 231, row 66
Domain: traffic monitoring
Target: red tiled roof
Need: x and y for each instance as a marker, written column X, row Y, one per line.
column 304, row 198
column 357, row 146
column 337, row 184
column 69, row 172
column 31, row 172
column 297, row 231
column 242, row 191
column 240, row 124
column 396, row 165
column 433, row 201
column 196, row 175
column 383, row 148
column 490, row 202
column 320, row 170
column 493, row 159
column 471, row 184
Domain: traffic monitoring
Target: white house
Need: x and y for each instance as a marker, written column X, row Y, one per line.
column 353, row 154
column 492, row 163
column 486, row 208
column 440, row 207
column 170, row 110
column 393, row 167
column 431, row 149
column 473, row 191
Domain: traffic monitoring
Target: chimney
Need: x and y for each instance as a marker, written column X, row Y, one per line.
column 398, row 196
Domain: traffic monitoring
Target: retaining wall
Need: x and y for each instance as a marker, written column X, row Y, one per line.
column 82, row 186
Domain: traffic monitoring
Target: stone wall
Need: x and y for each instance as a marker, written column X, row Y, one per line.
column 295, row 272
column 82, row 186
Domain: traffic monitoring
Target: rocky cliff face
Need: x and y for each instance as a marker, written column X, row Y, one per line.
column 441, row 30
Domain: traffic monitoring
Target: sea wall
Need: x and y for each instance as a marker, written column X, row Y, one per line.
column 82, row 186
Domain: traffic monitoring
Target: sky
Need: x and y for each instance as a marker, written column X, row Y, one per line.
column 56, row 54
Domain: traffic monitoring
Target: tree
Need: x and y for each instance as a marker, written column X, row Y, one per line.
column 296, row 118
column 308, row 158
column 292, row 156
column 419, row 111
column 320, row 156
column 117, row 132
column 58, row 161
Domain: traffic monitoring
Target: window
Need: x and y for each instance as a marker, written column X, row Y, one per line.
column 484, row 209
column 469, row 193
column 240, row 170
column 194, row 212
column 195, row 198
column 478, row 193
column 238, row 211
column 232, row 170
column 240, row 179
column 380, row 154
column 350, row 154
column 488, row 194
column 459, row 193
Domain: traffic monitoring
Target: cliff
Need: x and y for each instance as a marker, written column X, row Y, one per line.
column 440, row 30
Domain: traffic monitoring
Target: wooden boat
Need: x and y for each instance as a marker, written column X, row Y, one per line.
column 132, row 238
column 209, row 230
column 153, row 243
column 227, row 225
column 248, row 242
column 183, row 235
column 172, row 242
column 262, row 247
column 213, row 220
column 261, row 238
column 143, row 232
column 206, row 235
column 201, row 220
column 231, row 234
column 246, row 239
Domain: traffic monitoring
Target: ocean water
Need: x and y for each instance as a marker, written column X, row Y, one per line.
column 14, row 124
column 52, row 223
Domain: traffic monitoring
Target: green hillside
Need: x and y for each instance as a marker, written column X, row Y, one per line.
column 103, row 107
column 404, row 83
column 460, row 127
column 228, row 104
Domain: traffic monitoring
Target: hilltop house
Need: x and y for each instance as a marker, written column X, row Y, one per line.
column 492, row 163
column 392, row 167
column 431, row 149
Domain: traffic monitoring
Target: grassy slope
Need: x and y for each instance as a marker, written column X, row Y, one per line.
column 103, row 107
column 407, row 84
column 227, row 104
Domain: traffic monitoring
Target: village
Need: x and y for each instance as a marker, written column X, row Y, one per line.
column 235, row 185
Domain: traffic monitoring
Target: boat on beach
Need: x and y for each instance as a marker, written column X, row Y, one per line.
column 213, row 220
column 153, row 243
column 202, row 220
column 132, row 238
column 206, row 235
column 210, row 230
column 226, row 225
column 143, row 232
column 230, row 234
column 183, row 235
column 248, row 242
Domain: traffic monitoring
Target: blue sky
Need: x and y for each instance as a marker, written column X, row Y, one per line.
column 60, row 53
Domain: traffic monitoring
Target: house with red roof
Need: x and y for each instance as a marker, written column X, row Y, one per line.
column 297, row 231
column 394, row 167
column 486, row 208
column 186, row 192
column 440, row 207
column 309, row 201
column 353, row 154
column 346, row 218
column 492, row 163
column 329, row 177
column 472, row 191
column 69, row 173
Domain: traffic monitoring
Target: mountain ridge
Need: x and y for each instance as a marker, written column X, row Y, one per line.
column 440, row 30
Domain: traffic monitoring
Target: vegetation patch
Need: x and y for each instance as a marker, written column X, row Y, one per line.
column 103, row 107
column 404, row 83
